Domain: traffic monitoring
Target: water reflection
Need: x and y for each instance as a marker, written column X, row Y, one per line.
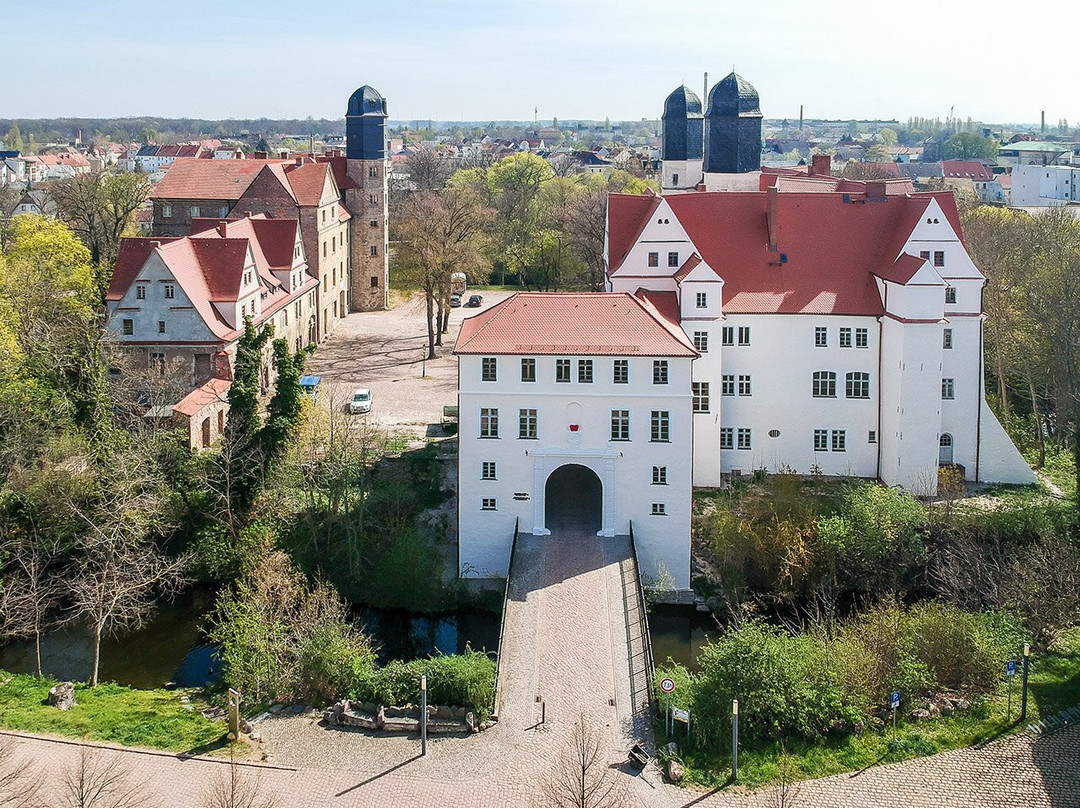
column 679, row 632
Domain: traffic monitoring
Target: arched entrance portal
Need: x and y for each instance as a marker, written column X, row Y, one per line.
column 574, row 499
column 945, row 447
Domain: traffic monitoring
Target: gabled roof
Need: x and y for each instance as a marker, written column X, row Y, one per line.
column 966, row 169
column 307, row 182
column 903, row 269
column 827, row 249
column 588, row 324
column 129, row 260
column 215, row 390
column 191, row 178
column 666, row 303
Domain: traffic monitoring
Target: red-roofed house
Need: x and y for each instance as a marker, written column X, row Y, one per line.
column 575, row 412
column 302, row 188
column 841, row 327
column 183, row 301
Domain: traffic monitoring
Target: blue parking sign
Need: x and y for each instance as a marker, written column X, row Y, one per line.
column 1010, row 667
column 895, row 699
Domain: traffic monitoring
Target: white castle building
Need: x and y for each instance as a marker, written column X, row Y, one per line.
column 813, row 326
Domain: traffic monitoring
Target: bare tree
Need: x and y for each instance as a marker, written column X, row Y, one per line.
column 120, row 574
column 428, row 170
column 102, row 780
column 30, row 592
column 439, row 235
column 20, row 785
column 235, row 788
column 584, row 778
column 99, row 207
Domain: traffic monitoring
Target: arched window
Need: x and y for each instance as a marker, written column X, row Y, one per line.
column 824, row 384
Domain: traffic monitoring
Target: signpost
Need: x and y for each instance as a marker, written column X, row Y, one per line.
column 423, row 714
column 1023, row 694
column 1010, row 672
column 894, row 700
column 734, row 741
column 667, row 685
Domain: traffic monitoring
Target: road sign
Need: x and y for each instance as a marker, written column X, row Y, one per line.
column 667, row 685
column 895, row 700
column 680, row 715
column 1010, row 667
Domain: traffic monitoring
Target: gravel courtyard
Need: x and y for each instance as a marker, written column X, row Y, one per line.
column 382, row 351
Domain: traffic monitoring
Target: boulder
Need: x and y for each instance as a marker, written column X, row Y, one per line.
column 675, row 771
column 961, row 703
column 876, row 722
column 920, row 715
column 62, row 696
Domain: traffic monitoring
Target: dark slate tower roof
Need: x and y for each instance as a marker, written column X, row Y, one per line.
column 365, row 125
column 367, row 101
column 681, row 103
column 683, row 126
column 734, row 96
column 733, row 127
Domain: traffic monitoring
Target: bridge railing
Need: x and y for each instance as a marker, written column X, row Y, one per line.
column 647, row 639
column 502, row 621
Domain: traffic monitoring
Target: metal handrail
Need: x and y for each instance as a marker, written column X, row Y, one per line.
column 649, row 665
column 502, row 621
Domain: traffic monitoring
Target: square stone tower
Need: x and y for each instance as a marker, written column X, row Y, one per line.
column 367, row 168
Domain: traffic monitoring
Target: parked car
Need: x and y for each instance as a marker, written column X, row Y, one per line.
column 361, row 401
column 455, row 301
column 474, row 301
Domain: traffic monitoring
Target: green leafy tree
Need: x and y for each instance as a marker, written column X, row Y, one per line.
column 14, row 140
column 285, row 407
column 241, row 443
column 970, row 146
column 888, row 136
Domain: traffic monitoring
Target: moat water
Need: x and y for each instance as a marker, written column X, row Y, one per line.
column 173, row 650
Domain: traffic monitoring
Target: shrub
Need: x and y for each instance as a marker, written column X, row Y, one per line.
column 454, row 680
column 784, row 684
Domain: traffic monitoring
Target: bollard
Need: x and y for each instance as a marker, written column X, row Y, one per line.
column 734, row 740
column 423, row 714
column 234, row 714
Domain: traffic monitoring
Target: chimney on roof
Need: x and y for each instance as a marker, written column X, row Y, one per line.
column 875, row 191
column 247, row 214
column 821, row 165
column 772, row 199
column 283, row 155
column 259, row 155
column 222, row 228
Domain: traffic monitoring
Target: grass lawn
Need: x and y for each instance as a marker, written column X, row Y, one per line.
column 1054, row 685
column 109, row 712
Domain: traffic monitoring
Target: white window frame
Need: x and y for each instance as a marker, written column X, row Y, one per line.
column 659, row 475
column 585, row 371
column 701, row 341
column 489, row 470
column 857, row 385
column 489, row 423
column 745, row 388
column 821, row 336
column 727, row 437
column 620, row 425
column 727, row 384
column 660, row 371
column 528, row 424
column 701, row 300
column 620, row 371
column 948, row 389
column 660, row 426
column 562, row 371
column 821, row 440
column 824, row 384
column 528, row 369
column 699, row 396
column 489, row 504
column 744, row 438
column 658, row 509
column 862, row 337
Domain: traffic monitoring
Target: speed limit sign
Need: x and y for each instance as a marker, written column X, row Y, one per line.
column 667, row 685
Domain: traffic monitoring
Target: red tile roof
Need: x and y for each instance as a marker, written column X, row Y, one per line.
column 590, row 324
column 215, row 390
column 966, row 169
column 902, row 270
column 833, row 247
column 129, row 260
column 191, row 178
column 307, row 182
column 667, row 303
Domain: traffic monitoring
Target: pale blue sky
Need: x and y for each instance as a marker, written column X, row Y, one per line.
column 489, row 59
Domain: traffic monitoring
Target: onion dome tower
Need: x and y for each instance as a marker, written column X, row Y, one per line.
column 683, row 136
column 733, row 127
